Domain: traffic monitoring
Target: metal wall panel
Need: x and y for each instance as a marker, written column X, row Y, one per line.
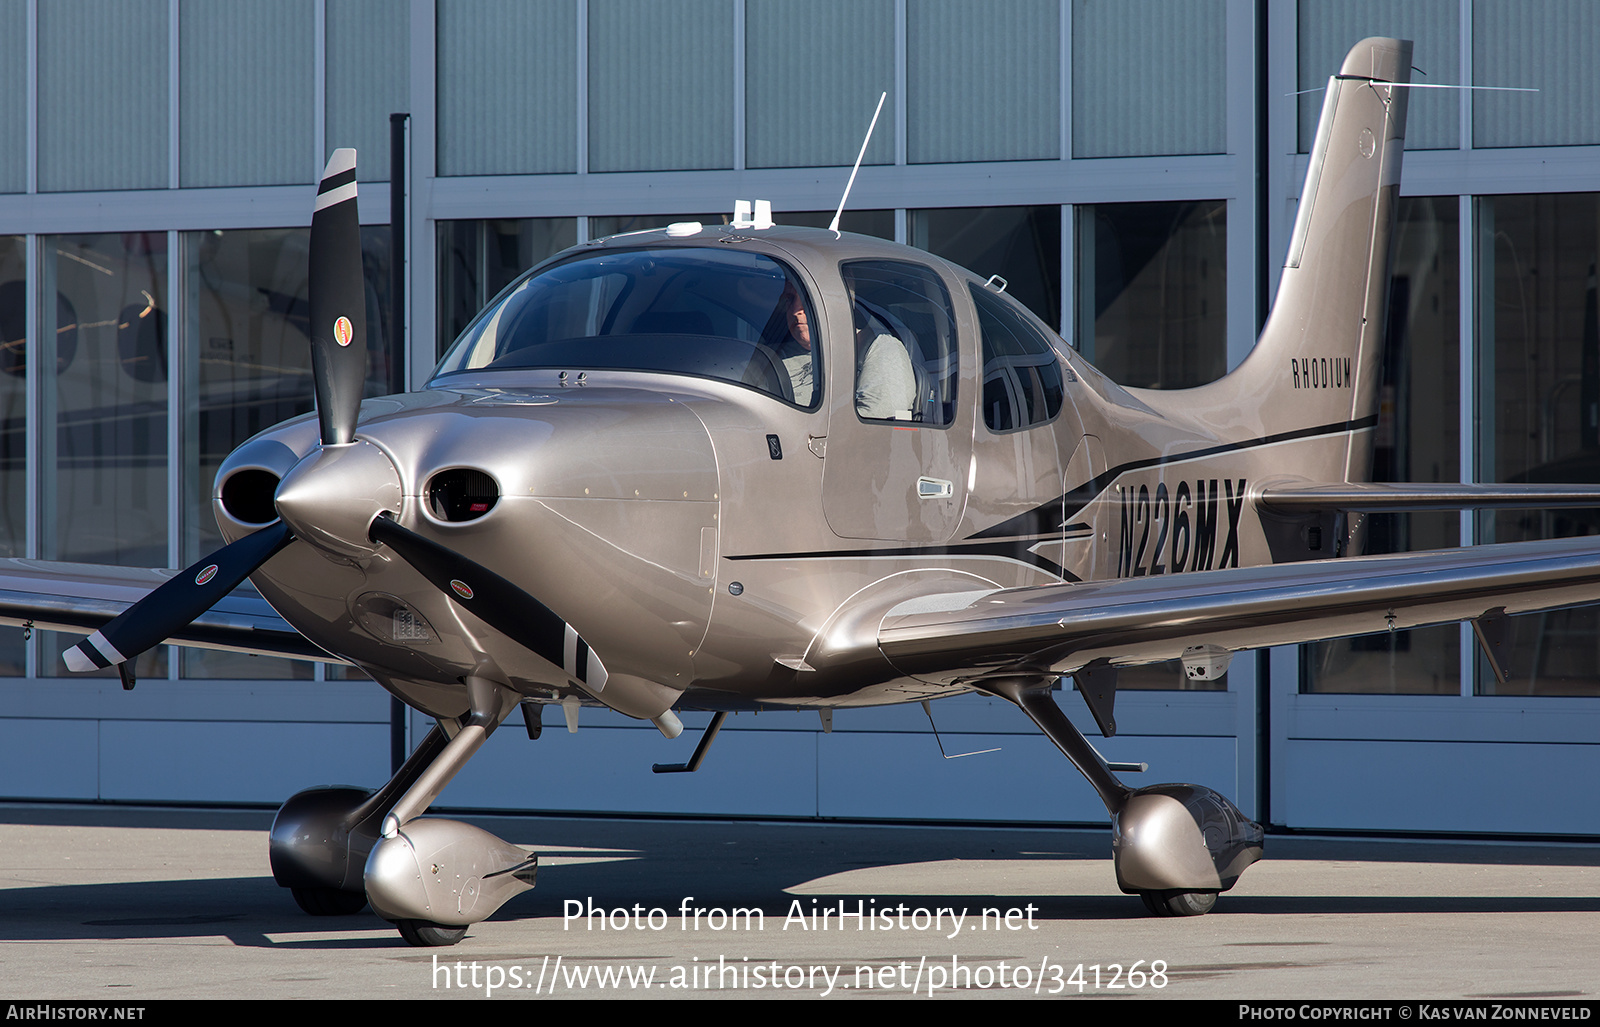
column 49, row 759
column 983, row 81
column 246, row 85
column 13, row 96
column 1549, row 46
column 606, row 767
column 1329, row 28
column 224, row 761
column 814, row 72
column 368, row 57
column 102, row 94
column 660, row 85
column 1147, row 77
column 1491, row 786
column 508, row 87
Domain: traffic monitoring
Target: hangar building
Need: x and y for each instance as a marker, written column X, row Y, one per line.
column 1131, row 168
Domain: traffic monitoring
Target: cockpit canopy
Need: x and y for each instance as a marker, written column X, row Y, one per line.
column 725, row 314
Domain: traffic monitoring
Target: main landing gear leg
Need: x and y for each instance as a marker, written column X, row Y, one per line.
column 1174, row 845
column 434, row 878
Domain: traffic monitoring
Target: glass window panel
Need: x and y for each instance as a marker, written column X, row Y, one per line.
column 1020, row 244
column 863, row 222
column 906, row 365
column 879, row 223
column 1152, row 292
column 479, row 258
column 13, row 97
column 1417, row 439
column 13, row 396
column 1174, row 103
column 1329, row 28
column 615, row 224
column 1549, row 46
column 13, row 653
column 1539, row 397
column 245, row 93
column 103, row 474
column 660, row 87
column 102, row 95
column 508, row 87
column 1167, row 676
column 983, row 80
column 368, row 48
column 814, row 74
column 104, row 486
column 247, row 366
column 1022, row 384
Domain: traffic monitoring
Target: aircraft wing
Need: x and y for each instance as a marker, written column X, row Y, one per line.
column 81, row 598
column 1061, row 629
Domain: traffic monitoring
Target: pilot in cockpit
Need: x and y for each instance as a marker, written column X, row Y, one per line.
column 795, row 351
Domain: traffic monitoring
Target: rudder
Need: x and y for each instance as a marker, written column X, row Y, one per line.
column 1317, row 361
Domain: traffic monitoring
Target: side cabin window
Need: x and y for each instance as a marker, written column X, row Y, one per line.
column 1022, row 384
column 733, row 316
column 906, row 364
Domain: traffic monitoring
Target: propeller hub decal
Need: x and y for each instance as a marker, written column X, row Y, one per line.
column 206, row 575
column 461, row 588
column 342, row 331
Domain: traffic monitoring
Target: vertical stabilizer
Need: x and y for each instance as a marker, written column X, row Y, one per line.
column 1318, row 359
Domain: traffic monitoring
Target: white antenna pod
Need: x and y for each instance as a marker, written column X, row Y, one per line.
column 834, row 227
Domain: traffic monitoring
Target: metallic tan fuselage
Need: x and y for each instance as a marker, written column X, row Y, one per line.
column 720, row 548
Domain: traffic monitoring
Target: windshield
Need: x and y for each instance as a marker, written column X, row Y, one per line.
column 733, row 316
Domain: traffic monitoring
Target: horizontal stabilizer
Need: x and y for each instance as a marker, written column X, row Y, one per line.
column 1291, row 497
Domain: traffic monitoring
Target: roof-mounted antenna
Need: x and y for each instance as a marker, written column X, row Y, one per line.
column 834, row 227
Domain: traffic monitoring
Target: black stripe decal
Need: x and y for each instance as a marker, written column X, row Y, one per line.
column 93, row 655
column 1074, row 501
column 1010, row 550
column 332, row 182
column 581, row 661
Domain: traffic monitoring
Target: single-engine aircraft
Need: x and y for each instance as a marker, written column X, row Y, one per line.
column 719, row 467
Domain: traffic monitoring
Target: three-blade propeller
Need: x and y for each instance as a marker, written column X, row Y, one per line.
column 338, row 365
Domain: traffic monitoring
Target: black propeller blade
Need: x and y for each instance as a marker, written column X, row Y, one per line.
column 495, row 601
column 338, row 366
column 185, row 596
column 338, row 302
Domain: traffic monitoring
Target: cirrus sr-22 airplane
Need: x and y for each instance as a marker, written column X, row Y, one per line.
column 729, row 467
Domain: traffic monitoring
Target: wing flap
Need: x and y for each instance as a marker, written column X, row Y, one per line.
column 1063, row 628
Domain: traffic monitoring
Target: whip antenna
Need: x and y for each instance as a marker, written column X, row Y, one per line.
column 834, row 227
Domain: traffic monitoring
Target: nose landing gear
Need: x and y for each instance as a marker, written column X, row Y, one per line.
column 339, row 848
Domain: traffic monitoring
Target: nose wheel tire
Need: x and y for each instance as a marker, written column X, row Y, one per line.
column 329, row 901
column 427, row 934
column 1178, row 903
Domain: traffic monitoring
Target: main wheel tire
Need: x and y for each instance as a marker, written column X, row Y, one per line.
column 329, row 901
column 1179, row 903
column 427, row 934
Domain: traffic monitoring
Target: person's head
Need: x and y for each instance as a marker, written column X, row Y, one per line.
column 794, row 310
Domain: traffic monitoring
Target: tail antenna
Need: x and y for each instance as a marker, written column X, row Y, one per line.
column 834, row 227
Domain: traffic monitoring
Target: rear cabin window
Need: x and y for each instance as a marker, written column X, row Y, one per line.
column 1022, row 383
